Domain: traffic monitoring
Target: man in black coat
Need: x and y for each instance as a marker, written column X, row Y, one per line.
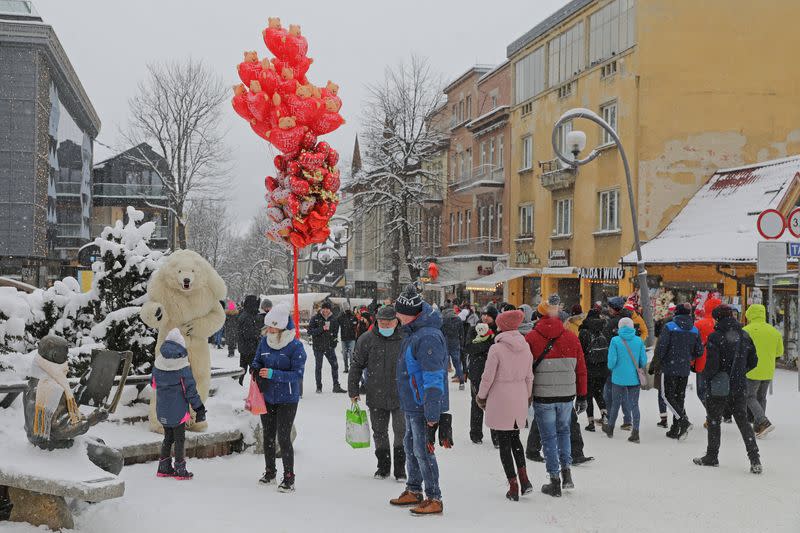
column 731, row 354
column 248, row 332
column 678, row 345
column 453, row 331
column 347, row 331
column 324, row 331
column 592, row 334
column 378, row 351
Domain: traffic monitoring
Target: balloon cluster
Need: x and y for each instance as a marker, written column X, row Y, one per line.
column 286, row 109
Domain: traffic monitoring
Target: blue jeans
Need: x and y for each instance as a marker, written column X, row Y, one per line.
column 330, row 355
column 553, row 421
column 628, row 399
column 218, row 337
column 347, row 353
column 421, row 465
column 608, row 398
column 455, row 356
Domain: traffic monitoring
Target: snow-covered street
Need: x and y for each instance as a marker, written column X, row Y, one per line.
column 648, row 487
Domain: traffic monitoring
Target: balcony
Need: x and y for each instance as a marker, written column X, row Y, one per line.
column 432, row 195
column 68, row 188
column 128, row 190
column 481, row 177
column 556, row 175
column 68, row 230
column 478, row 246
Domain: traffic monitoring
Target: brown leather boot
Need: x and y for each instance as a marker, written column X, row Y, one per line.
column 407, row 498
column 428, row 507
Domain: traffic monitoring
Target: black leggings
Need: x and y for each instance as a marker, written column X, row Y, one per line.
column 511, row 451
column 174, row 435
column 278, row 422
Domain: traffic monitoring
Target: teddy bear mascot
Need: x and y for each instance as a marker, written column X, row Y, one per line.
column 185, row 294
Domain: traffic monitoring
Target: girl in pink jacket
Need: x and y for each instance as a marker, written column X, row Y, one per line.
column 505, row 394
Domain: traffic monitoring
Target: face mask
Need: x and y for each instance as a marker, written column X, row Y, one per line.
column 386, row 332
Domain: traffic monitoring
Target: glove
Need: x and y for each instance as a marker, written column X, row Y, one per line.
column 431, row 434
column 580, row 405
column 651, row 369
column 446, row 430
column 200, row 414
column 481, row 402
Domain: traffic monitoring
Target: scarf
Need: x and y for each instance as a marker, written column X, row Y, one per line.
column 52, row 386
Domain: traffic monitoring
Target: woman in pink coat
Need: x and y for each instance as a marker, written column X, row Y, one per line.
column 505, row 394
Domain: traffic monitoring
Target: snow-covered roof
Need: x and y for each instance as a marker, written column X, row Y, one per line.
column 719, row 224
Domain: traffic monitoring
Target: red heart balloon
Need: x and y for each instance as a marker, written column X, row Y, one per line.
column 239, row 102
column 293, row 168
column 298, row 240
column 295, row 46
column 300, row 186
column 320, row 236
column 332, row 158
column 258, row 105
column 316, row 220
column 287, row 140
column 280, row 162
column 327, row 122
column 331, row 183
column 323, row 148
column 311, row 161
column 309, row 141
column 250, row 68
column 305, row 109
column 270, row 183
column 298, row 68
column 275, row 37
column 262, row 129
column 268, row 78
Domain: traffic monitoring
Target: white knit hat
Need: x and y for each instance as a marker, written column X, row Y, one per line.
column 278, row 317
column 626, row 323
column 175, row 336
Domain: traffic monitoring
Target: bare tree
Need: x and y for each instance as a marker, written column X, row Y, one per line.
column 178, row 112
column 209, row 229
column 394, row 184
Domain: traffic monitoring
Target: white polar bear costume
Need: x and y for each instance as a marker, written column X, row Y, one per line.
column 185, row 293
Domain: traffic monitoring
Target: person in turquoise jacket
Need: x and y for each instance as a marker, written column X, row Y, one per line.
column 769, row 346
column 624, row 349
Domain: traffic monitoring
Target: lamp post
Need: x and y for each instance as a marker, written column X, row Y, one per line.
column 576, row 142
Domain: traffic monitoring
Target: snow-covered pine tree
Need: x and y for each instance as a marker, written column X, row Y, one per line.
column 120, row 285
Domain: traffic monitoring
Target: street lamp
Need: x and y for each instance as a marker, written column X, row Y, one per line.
column 576, row 142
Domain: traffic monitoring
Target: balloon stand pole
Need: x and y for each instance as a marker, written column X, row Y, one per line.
column 296, row 295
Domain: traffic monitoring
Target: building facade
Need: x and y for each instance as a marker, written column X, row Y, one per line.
column 47, row 129
column 685, row 100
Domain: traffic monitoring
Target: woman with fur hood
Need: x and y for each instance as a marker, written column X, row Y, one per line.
column 505, row 394
column 278, row 369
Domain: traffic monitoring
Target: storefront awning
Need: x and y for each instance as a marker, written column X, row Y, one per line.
column 558, row 271
column 490, row 282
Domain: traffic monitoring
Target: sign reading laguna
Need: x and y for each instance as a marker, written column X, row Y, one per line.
column 558, row 258
column 605, row 274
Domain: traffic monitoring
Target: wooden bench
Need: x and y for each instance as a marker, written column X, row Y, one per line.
column 40, row 500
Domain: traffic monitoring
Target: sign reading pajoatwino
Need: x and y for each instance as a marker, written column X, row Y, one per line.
column 558, row 258
column 602, row 274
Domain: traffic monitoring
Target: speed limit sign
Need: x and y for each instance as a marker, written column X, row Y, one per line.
column 771, row 224
column 794, row 223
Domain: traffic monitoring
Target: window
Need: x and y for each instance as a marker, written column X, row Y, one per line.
column 609, row 210
column 494, row 101
column 609, row 69
column 500, row 161
column 461, row 111
column 452, row 228
column 469, row 162
column 499, row 210
column 566, row 54
column 461, row 165
column 609, row 114
column 563, row 130
column 469, row 107
column 526, row 220
column 527, row 109
column 491, row 220
column 481, row 222
column 468, row 233
column 527, row 152
column 491, row 151
column 483, row 155
column 612, row 30
column 460, row 226
column 563, row 225
column 529, row 76
column 454, row 116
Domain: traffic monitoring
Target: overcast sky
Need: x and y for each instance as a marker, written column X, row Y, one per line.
column 110, row 42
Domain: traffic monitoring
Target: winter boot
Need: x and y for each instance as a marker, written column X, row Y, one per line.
column 384, row 463
column 400, row 463
column 535, row 456
column 590, row 427
column 608, row 430
column 181, row 472
column 287, row 485
column 663, row 423
column 407, row 498
column 683, row 429
column 269, row 477
column 165, row 467
column 706, row 460
column 554, row 487
column 764, row 429
column 674, row 431
column 581, row 459
column 525, row 486
column 755, row 466
column 428, row 507
column 566, row 479
column 338, row 389
column 626, row 427
column 603, row 418
column 513, row 489
column 634, row 436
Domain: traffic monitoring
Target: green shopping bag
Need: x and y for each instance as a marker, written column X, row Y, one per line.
column 357, row 427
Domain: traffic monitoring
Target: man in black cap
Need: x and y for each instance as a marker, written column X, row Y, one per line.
column 377, row 351
column 324, row 330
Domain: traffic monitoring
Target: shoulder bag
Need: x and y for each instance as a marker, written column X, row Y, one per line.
column 644, row 382
column 545, row 352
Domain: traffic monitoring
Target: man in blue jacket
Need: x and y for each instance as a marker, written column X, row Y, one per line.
column 422, row 389
column 678, row 345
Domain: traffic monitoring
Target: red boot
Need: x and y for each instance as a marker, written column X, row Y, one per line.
column 524, row 483
column 513, row 490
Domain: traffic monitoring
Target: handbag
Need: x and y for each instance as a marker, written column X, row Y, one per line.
column 255, row 400
column 644, row 382
column 356, row 427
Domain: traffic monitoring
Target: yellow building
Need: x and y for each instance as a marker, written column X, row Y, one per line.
column 690, row 87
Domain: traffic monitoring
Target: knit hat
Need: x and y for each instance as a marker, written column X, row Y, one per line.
column 482, row 329
column 616, row 303
column 386, row 312
column 722, row 311
column 490, row 311
column 409, row 302
column 576, row 310
column 683, row 309
column 54, row 349
column 326, row 305
column 278, row 317
column 626, row 323
column 266, row 304
column 510, row 320
column 551, row 306
column 175, row 336
column 173, row 347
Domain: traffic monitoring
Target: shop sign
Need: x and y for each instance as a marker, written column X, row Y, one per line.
column 602, row 274
column 485, row 271
column 526, row 258
column 558, row 258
